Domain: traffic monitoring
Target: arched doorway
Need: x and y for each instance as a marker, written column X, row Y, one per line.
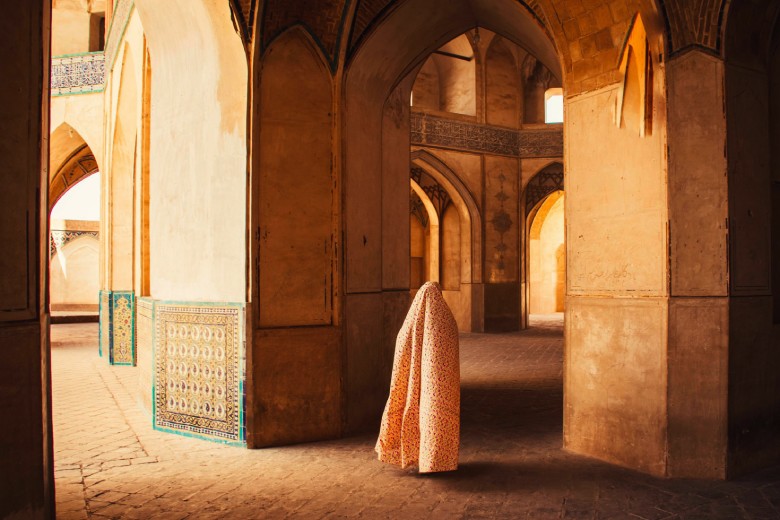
column 74, row 252
column 547, row 256
column 425, row 236
column 545, row 249
column 460, row 238
column 616, row 266
column 74, row 227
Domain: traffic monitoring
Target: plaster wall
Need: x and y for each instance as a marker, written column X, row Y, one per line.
column 754, row 385
column 84, row 113
column 698, row 190
column 70, row 31
column 426, row 87
column 617, row 308
column 198, row 179
column 502, row 85
column 121, row 124
column 749, row 176
column 74, row 282
column 547, row 261
column 144, row 352
column 698, row 362
column 296, row 394
column 457, row 80
column 615, row 380
column 395, row 241
column 616, row 221
column 297, row 369
column 120, row 181
column 417, row 253
column 461, row 304
column 450, row 249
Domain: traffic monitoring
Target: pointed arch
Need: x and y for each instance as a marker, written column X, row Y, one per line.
column 433, row 238
column 469, row 209
column 295, row 199
column 64, row 141
column 71, row 160
column 547, row 180
column 80, row 165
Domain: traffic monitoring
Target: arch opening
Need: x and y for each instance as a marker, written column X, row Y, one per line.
column 602, row 158
column 547, row 256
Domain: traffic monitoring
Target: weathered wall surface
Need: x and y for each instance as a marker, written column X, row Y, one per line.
column 616, row 339
column 296, row 355
column 198, row 180
column 503, row 102
column 698, row 314
column 118, row 184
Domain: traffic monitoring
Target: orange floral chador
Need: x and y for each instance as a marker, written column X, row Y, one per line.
column 421, row 421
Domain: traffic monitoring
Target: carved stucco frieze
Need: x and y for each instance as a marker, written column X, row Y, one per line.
column 427, row 130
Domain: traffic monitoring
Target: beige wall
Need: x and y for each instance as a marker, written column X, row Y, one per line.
column 84, row 114
column 547, row 258
column 74, row 276
column 70, row 31
column 75, row 26
column 73, row 271
column 198, row 179
column 616, row 339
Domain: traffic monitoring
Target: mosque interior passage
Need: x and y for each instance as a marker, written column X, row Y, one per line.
column 271, row 182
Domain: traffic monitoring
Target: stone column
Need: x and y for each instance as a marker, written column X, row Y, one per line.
column 698, row 304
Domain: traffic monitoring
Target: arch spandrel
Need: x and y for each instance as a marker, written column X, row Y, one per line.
column 63, row 143
column 80, row 165
column 467, row 206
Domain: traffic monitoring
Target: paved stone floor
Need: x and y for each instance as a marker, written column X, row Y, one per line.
column 111, row 464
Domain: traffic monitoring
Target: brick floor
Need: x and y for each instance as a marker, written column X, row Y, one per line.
column 111, row 464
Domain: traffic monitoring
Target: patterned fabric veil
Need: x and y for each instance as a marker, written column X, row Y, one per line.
column 421, row 422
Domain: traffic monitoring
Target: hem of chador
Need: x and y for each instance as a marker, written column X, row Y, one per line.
column 413, row 466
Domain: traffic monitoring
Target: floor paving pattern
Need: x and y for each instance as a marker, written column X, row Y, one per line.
column 110, row 463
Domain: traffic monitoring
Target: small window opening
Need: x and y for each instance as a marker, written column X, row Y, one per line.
column 553, row 105
column 97, row 32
